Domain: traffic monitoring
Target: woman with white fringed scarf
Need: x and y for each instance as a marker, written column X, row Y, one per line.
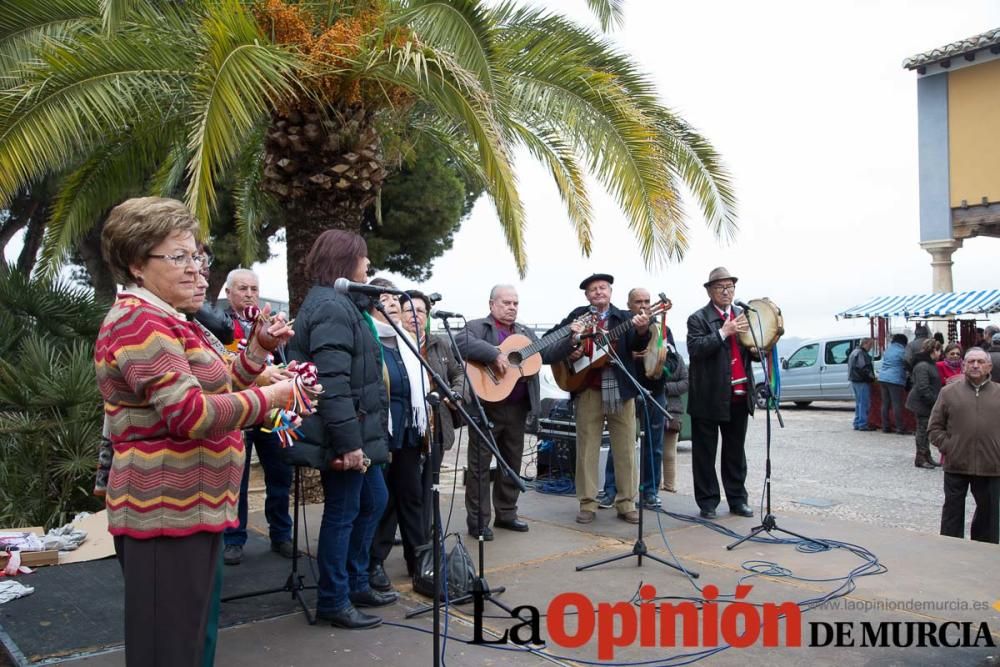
column 408, row 385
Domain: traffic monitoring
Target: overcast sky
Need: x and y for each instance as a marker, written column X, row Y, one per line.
column 816, row 120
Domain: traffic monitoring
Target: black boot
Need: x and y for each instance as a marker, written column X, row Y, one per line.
column 378, row 579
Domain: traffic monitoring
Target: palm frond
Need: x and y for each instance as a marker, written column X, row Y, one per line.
column 456, row 93
column 460, row 27
column 610, row 13
column 116, row 171
column 114, row 12
column 168, row 178
column 253, row 207
column 549, row 148
column 241, row 78
column 700, row 167
column 81, row 92
column 25, row 25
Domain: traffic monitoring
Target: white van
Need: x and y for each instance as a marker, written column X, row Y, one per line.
column 816, row 371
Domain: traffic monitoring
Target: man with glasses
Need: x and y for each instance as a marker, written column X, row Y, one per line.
column 721, row 396
column 242, row 291
column 965, row 426
column 479, row 342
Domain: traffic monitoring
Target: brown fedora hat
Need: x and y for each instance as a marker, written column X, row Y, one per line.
column 720, row 273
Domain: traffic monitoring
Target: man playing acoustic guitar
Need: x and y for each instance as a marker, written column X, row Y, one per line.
column 479, row 343
column 605, row 393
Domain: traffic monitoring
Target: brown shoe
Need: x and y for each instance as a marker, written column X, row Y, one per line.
column 632, row 516
column 585, row 516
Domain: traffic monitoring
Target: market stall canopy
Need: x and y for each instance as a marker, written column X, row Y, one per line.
column 941, row 304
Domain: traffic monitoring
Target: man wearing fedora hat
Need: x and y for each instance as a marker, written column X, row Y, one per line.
column 720, row 396
column 607, row 394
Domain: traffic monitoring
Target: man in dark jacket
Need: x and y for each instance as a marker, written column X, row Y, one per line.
column 721, row 396
column 995, row 357
column 965, row 426
column 607, row 394
column 242, row 291
column 861, row 373
column 479, row 342
column 921, row 332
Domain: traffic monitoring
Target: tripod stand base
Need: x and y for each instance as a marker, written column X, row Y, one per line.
column 768, row 525
column 487, row 593
column 640, row 551
column 294, row 585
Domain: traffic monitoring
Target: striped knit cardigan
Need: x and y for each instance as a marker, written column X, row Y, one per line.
column 174, row 420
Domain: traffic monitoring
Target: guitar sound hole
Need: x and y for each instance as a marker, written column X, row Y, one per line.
column 514, row 359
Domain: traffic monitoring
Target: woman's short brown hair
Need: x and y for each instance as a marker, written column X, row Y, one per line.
column 334, row 254
column 138, row 225
column 930, row 345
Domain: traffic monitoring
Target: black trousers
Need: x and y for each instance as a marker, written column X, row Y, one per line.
column 985, row 520
column 171, row 599
column 704, row 445
column 508, row 430
column 404, row 508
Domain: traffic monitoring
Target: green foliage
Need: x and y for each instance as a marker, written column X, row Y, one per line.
column 50, row 409
column 485, row 80
column 423, row 205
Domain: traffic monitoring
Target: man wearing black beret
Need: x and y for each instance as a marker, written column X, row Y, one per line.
column 605, row 394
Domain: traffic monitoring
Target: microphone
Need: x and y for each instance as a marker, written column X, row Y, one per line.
column 445, row 315
column 433, row 297
column 745, row 307
column 343, row 285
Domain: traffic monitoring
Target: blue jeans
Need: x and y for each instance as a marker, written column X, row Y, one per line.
column 862, row 399
column 352, row 506
column 651, row 474
column 277, row 483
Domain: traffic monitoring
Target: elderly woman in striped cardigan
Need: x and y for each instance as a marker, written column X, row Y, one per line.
column 174, row 421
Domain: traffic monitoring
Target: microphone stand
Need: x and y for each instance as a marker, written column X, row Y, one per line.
column 295, row 583
column 644, row 400
column 768, row 523
column 481, row 590
column 432, row 481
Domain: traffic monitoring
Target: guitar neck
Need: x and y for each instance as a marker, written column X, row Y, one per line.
column 616, row 333
column 544, row 342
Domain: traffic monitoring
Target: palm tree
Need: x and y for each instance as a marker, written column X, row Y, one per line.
column 305, row 106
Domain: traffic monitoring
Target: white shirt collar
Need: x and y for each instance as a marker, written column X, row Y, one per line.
column 149, row 297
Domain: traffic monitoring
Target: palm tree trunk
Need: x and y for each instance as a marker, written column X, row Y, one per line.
column 304, row 225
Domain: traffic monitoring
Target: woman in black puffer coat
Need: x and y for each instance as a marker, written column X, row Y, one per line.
column 335, row 332
column 923, row 394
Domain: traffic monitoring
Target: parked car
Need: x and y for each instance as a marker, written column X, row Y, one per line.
column 815, row 371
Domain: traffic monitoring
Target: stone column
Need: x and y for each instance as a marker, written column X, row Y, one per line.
column 941, row 252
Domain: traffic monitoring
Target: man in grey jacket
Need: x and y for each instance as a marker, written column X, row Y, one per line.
column 480, row 342
column 965, row 426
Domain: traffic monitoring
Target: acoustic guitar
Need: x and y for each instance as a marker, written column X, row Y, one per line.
column 571, row 376
column 524, row 359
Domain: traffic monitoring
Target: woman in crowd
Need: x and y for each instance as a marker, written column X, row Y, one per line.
column 950, row 364
column 892, row 381
column 408, row 433
column 436, row 351
column 346, row 438
column 923, row 394
column 174, row 422
column 676, row 373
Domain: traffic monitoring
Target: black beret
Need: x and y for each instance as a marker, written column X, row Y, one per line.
column 597, row 276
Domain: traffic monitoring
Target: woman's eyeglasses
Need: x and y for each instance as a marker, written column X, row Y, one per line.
column 183, row 259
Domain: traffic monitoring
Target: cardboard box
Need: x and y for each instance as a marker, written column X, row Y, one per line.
column 30, row 558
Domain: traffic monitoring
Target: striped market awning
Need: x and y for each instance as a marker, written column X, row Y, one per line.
column 928, row 305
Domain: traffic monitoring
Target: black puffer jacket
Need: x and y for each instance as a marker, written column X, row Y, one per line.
column 926, row 385
column 331, row 332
